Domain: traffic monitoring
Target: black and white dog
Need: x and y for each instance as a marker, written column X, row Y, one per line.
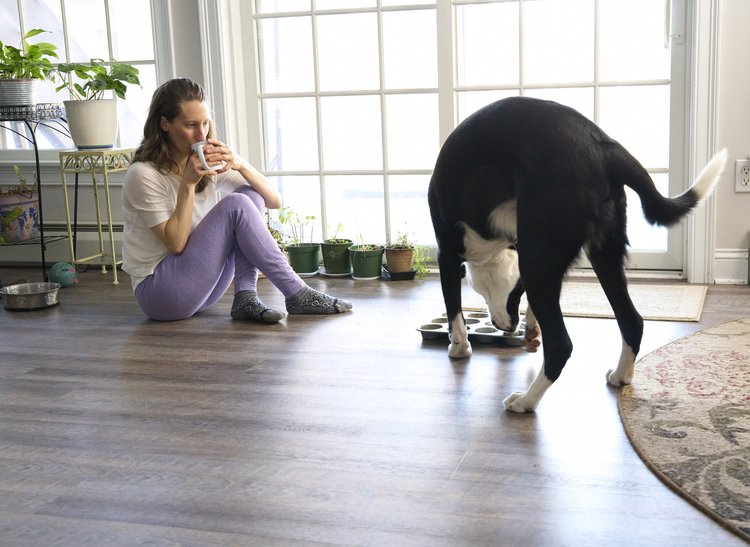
column 519, row 189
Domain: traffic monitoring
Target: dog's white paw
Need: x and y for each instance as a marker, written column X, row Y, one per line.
column 520, row 402
column 459, row 350
column 625, row 370
column 616, row 379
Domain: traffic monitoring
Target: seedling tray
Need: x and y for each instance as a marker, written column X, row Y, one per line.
column 480, row 329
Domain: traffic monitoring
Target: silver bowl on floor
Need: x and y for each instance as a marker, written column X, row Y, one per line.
column 30, row 296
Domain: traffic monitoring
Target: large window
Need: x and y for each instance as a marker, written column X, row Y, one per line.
column 611, row 60
column 355, row 94
column 84, row 30
column 349, row 97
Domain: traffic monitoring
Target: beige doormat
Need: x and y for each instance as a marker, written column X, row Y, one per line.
column 662, row 302
column 687, row 415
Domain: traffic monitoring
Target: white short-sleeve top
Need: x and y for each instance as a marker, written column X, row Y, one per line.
column 149, row 198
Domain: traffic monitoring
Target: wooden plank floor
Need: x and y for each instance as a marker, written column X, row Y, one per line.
column 347, row 430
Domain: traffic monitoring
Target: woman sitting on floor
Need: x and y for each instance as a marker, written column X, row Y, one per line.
column 190, row 231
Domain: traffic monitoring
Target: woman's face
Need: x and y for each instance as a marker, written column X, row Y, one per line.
column 191, row 125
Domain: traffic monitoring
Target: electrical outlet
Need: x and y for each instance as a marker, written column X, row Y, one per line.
column 742, row 176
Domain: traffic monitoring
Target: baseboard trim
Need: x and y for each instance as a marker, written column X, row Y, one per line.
column 731, row 267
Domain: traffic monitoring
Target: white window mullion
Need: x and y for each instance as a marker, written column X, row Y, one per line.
column 447, row 77
column 384, row 128
column 319, row 119
column 597, row 57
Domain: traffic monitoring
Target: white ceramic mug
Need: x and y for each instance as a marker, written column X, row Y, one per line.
column 198, row 147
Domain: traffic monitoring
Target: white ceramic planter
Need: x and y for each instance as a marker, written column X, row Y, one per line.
column 92, row 124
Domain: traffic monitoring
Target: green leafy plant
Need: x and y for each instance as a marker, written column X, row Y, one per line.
column 420, row 262
column 29, row 61
column 95, row 78
column 362, row 246
column 402, row 242
column 277, row 236
column 298, row 225
column 22, row 188
column 335, row 237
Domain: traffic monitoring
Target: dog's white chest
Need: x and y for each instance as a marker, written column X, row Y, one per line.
column 502, row 223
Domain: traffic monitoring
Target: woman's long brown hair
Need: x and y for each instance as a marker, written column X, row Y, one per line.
column 167, row 101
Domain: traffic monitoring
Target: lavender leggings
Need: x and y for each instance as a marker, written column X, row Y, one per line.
column 230, row 243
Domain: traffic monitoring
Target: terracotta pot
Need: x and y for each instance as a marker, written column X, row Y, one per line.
column 399, row 260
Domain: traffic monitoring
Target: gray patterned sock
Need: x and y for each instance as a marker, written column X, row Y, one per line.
column 247, row 306
column 310, row 301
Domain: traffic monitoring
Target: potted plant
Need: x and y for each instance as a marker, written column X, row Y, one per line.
column 304, row 255
column 335, row 249
column 19, row 211
column 367, row 260
column 91, row 117
column 22, row 68
column 404, row 259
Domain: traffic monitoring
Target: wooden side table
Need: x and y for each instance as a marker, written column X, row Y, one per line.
column 95, row 162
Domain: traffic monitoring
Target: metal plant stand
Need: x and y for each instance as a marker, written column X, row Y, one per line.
column 94, row 162
column 45, row 114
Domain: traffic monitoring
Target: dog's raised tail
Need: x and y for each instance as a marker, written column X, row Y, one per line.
column 659, row 209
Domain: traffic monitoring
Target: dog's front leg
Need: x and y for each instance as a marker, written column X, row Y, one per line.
column 460, row 347
column 450, row 282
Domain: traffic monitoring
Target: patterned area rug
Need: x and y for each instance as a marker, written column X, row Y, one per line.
column 688, row 416
column 665, row 302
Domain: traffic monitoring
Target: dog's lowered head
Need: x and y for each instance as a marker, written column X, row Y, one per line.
column 498, row 281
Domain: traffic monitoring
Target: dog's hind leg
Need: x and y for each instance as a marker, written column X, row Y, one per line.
column 450, row 281
column 543, row 286
column 557, row 348
column 607, row 261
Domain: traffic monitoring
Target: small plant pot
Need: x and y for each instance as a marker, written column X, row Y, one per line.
column 304, row 257
column 336, row 256
column 19, row 217
column 367, row 261
column 399, row 260
column 18, row 92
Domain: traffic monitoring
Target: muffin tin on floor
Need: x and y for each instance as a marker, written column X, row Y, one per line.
column 480, row 329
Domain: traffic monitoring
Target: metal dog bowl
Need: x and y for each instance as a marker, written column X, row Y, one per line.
column 30, row 296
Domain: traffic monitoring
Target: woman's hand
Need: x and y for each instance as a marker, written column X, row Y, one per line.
column 216, row 151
